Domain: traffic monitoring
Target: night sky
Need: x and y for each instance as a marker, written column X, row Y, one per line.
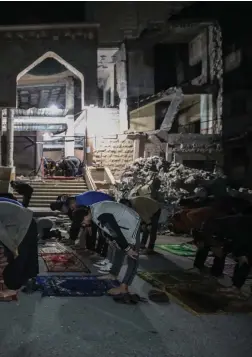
column 39, row 12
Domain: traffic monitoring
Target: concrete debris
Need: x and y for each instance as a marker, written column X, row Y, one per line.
column 161, row 180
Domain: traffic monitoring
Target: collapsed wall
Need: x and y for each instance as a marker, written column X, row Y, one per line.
column 175, row 180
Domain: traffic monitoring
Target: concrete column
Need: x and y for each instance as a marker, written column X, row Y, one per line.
column 10, row 138
column 122, row 88
column 139, row 146
column 204, row 114
column 104, row 103
column 168, row 153
column 69, row 139
column 123, row 115
column 112, row 82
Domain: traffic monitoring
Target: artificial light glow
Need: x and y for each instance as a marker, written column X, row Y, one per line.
column 53, row 107
column 47, row 136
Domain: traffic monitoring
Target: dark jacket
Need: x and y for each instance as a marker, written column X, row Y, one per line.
column 22, row 188
column 76, row 217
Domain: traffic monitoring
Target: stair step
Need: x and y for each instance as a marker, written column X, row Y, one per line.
column 45, row 192
column 39, row 204
column 59, row 188
column 57, row 185
column 37, row 198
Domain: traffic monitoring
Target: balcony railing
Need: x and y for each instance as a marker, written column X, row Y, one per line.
column 35, row 112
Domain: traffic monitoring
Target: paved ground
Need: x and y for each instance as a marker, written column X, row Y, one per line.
column 98, row 327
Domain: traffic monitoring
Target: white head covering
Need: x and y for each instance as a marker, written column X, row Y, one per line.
column 14, row 224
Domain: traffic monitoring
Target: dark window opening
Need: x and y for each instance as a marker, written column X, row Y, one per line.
column 192, row 128
column 108, row 97
column 195, row 71
column 207, row 165
column 239, row 106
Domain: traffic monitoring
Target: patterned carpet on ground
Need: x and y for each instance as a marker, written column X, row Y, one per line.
column 52, row 248
column 60, row 259
column 73, row 286
column 200, row 295
column 64, row 262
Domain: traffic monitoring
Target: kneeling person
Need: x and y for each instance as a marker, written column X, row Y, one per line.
column 24, row 190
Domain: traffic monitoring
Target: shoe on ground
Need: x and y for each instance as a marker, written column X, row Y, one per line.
column 105, row 269
column 101, row 263
column 194, row 270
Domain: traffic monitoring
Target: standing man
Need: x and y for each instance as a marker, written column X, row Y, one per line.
column 122, row 226
column 149, row 210
column 73, row 206
column 23, row 189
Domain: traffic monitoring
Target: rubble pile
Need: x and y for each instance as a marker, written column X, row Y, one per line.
column 176, row 180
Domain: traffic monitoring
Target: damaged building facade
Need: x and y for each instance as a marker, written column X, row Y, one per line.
column 164, row 87
column 180, row 110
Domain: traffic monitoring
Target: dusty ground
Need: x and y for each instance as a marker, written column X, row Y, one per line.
column 79, row 327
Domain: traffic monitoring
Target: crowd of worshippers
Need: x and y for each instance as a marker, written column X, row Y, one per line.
column 70, row 166
column 218, row 221
column 112, row 230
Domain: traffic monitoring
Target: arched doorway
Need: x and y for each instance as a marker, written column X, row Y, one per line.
column 73, row 46
column 69, row 67
column 23, row 47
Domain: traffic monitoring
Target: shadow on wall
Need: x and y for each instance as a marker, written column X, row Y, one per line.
column 27, row 154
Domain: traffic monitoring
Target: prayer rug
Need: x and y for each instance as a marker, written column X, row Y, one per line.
column 7, row 294
column 52, row 248
column 197, row 294
column 184, row 250
column 75, row 286
column 64, row 262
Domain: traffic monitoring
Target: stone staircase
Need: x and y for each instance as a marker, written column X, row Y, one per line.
column 46, row 191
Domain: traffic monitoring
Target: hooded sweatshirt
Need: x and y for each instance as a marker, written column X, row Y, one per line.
column 120, row 223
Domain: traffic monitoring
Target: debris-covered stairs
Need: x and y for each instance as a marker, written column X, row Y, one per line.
column 46, row 191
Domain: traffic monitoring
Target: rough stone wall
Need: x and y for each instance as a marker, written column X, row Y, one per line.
column 116, row 154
